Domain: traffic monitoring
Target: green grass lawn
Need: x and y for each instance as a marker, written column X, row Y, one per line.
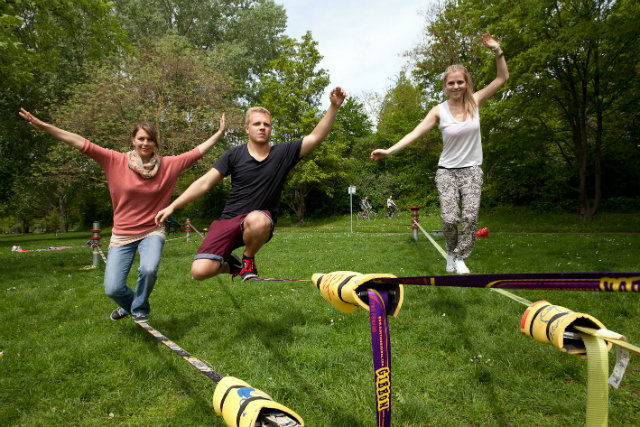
column 457, row 355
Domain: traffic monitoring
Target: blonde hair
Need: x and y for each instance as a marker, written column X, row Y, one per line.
column 470, row 105
column 252, row 110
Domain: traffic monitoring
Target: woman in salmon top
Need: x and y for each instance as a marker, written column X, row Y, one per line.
column 140, row 183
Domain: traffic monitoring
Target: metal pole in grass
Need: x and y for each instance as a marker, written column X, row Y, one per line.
column 95, row 242
column 352, row 191
column 414, row 224
column 187, row 227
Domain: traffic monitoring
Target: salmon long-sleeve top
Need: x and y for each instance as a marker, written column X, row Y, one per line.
column 137, row 200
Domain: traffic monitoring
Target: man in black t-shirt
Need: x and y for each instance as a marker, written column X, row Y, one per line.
column 258, row 171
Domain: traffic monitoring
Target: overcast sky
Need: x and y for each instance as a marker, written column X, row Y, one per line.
column 362, row 41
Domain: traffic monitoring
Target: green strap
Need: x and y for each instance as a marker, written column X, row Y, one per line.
column 512, row 296
column 597, row 386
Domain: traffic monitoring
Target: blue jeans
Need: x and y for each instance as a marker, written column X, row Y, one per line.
column 119, row 263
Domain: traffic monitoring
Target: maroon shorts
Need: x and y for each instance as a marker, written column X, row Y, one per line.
column 224, row 236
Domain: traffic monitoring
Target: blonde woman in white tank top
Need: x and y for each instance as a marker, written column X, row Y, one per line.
column 459, row 176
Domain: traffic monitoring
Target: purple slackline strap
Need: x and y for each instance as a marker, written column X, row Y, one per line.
column 603, row 282
column 381, row 348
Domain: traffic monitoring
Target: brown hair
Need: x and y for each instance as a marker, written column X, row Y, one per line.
column 149, row 129
column 469, row 102
column 252, row 110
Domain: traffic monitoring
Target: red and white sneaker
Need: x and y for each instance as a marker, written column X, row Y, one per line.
column 249, row 269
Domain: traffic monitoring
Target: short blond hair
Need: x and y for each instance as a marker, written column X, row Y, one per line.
column 252, row 110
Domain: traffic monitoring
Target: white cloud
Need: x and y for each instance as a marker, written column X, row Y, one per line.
column 362, row 42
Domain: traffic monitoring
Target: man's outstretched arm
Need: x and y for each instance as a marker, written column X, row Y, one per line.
column 323, row 127
column 197, row 188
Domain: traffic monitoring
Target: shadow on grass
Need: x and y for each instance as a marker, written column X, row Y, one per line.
column 174, row 329
column 276, row 334
column 457, row 335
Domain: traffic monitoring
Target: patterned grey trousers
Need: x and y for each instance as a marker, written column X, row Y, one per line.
column 456, row 187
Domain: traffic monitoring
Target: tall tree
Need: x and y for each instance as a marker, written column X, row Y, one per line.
column 329, row 196
column 246, row 33
column 407, row 175
column 45, row 47
column 170, row 84
column 573, row 69
column 291, row 90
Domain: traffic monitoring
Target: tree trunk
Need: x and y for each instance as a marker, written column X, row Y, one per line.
column 300, row 208
column 62, row 208
column 47, row 212
column 589, row 203
column 597, row 152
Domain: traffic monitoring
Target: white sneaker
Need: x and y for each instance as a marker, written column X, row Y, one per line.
column 451, row 266
column 461, row 267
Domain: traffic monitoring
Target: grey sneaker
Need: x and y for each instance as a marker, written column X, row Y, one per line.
column 118, row 314
column 451, row 262
column 235, row 265
column 140, row 318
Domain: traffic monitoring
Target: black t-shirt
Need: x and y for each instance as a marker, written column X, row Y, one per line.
column 257, row 185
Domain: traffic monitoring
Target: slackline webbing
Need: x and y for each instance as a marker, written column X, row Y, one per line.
column 612, row 337
column 597, row 387
column 196, row 230
column 198, row 364
column 587, row 281
column 574, row 281
column 251, row 407
column 50, row 248
column 433, row 242
column 381, row 349
column 104, row 258
column 514, row 297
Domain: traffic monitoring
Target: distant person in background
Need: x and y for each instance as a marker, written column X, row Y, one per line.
column 365, row 207
column 459, row 177
column 140, row 183
column 391, row 206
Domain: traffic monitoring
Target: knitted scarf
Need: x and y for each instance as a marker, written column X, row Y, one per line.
column 146, row 170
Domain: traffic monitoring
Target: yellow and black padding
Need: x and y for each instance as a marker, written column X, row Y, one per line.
column 547, row 323
column 241, row 405
column 346, row 290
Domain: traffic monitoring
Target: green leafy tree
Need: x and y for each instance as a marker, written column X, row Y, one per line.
column 573, row 75
column 246, row 34
column 407, row 175
column 582, row 68
column 291, row 91
column 170, row 84
column 330, row 196
column 45, row 47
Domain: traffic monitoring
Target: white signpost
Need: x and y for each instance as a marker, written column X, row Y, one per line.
column 352, row 191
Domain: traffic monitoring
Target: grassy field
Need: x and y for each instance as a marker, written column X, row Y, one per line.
column 457, row 354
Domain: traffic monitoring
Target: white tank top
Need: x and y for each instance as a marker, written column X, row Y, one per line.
column 461, row 142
